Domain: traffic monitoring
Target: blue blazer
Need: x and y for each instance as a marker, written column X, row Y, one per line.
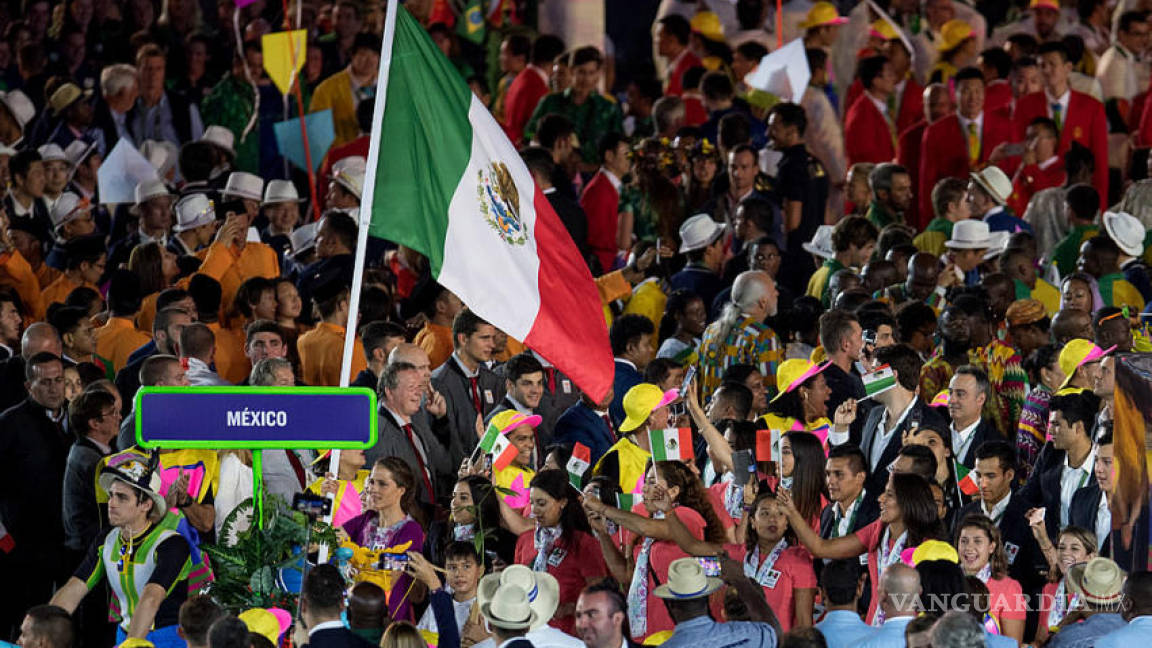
column 580, row 424
column 626, row 378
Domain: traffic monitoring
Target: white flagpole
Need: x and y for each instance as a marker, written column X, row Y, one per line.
column 365, row 213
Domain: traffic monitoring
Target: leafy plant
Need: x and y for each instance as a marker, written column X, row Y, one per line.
column 248, row 570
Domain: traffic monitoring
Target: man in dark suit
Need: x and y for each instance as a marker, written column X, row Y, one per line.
column 1065, row 463
column 403, row 434
column 995, row 472
column 543, row 169
column 852, row 508
column 1089, row 508
column 469, row 387
column 33, row 453
column 115, row 110
column 587, row 422
column 632, row 345
column 523, row 391
column 897, row 410
column 967, row 393
column 843, row 341
column 38, row 338
column 321, row 602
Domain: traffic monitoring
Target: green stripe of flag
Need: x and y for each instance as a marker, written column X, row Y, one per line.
column 425, row 144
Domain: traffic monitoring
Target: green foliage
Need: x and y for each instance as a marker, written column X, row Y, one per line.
column 247, row 570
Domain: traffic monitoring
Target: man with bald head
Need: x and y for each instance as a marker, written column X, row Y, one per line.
column 899, row 602
column 38, row 338
column 937, row 105
column 1069, row 324
column 921, row 284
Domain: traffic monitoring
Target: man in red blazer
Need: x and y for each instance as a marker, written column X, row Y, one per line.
column 1040, row 167
column 869, row 134
column 529, row 86
column 962, row 142
column 1079, row 117
column 601, row 199
column 937, row 105
column 672, row 34
column 908, row 92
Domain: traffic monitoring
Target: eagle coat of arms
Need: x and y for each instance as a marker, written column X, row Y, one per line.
column 499, row 201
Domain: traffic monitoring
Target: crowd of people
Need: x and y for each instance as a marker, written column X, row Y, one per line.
column 866, row 336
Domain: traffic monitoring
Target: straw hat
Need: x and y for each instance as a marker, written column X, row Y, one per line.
column 304, row 238
column 970, row 235
column 821, row 243
column 698, row 232
column 52, row 153
column 280, row 191
column 542, row 588
column 66, row 95
column 349, row 173
column 192, row 211
column 221, row 138
column 1127, row 231
column 994, row 181
column 242, row 184
column 686, row 580
column 149, row 189
column 509, row 608
column 1099, row 581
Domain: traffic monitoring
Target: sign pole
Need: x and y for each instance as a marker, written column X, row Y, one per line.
column 258, row 487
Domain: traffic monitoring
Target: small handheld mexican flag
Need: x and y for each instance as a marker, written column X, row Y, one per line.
column 767, row 445
column 878, row 381
column 671, row 444
column 489, row 438
column 625, row 501
column 578, row 465
column 964, row 479
column 503, row 452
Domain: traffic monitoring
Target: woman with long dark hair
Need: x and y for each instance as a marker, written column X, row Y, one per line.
column 670, row 489
column 908, row 517
column 475, row 511
column 778, row 564
column 561, row 544
column 981, row 550
column 388, row 522
column 156, row 267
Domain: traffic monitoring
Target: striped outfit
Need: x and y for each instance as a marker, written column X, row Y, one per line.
column 1009, row 383
column 1032, row 431
column 749, row 342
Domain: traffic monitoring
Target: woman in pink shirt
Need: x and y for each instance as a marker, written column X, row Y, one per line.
column 907, row 517
column 1074, row 545
column 982, row 555
column 772, row 558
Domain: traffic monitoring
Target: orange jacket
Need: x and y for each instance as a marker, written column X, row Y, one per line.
column 321, row 352
column 117, row 339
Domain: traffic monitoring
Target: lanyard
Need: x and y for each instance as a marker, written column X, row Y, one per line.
column 887, row 558
column 760, row 574
column 853, row 508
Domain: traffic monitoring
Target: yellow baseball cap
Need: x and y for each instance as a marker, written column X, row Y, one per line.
column 1054, row 5
column 934, row 550
column 267, row 623
column 822, row 13
column 792, row 373
column 953, row 33
column 641, row 401
column 884, row 29
column 1078, row 353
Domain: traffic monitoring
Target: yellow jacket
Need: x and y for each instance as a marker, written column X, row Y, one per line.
column 648, row 299
column 335, row 92
column 632, row 459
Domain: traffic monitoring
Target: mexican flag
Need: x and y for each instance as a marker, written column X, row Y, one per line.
column 671, row 444
column 878, row 381
column 444, row 180
column 579, row 463
column 625, row 501
column 964, row 479
column 488, row 441
column 503, row 452
column 768, row 445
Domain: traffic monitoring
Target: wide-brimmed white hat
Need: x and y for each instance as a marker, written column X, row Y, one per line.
column 998, row 242
column 303, row 238
column 542, row 588
column 995, row 182
column 242, row 184
column 161, row 154
column 192, row 211
column 19, row 105
column 1127, row 231
column 509, row 608
column 149, row 189
column 699, row 231
column 221, row 138
column 280, row 191
column 821, row 243
column 349, row 173
column 52, row 153
column 67, row 208
column 140, row 473
column 687, row 580
column 78, row 151
column 1099, row 581
column 970, row 235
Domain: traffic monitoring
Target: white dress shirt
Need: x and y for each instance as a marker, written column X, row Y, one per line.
column 1072, row 479
column 962, row 439
column 884, row 433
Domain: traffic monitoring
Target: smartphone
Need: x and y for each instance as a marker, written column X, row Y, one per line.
column 914, row 420
column 711, row 565
column 688, row 376
column 234, row 206
column 488, row 462
column 742, row 465
column 314, row 506
column 1014, row 149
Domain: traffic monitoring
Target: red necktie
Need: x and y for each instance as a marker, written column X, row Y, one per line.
column 420, row 460
column 551, row 379
column 297, row 468
column 475, row 393
column 608, row 423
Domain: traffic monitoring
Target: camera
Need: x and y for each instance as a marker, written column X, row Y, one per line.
column 313, row 506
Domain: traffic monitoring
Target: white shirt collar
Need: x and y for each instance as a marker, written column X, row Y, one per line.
column 611, row 178
column 463, row 367
column 1049, row 162
column 105, row 448
column 325, row 625
column 978, row 120
column 401, row 421
column 1088, row 461
column 627, row 362
column 966, row 432
column 880, row 104
column 998, row 508
column 520, row 407
column 1062, row 100
column 995, row 210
